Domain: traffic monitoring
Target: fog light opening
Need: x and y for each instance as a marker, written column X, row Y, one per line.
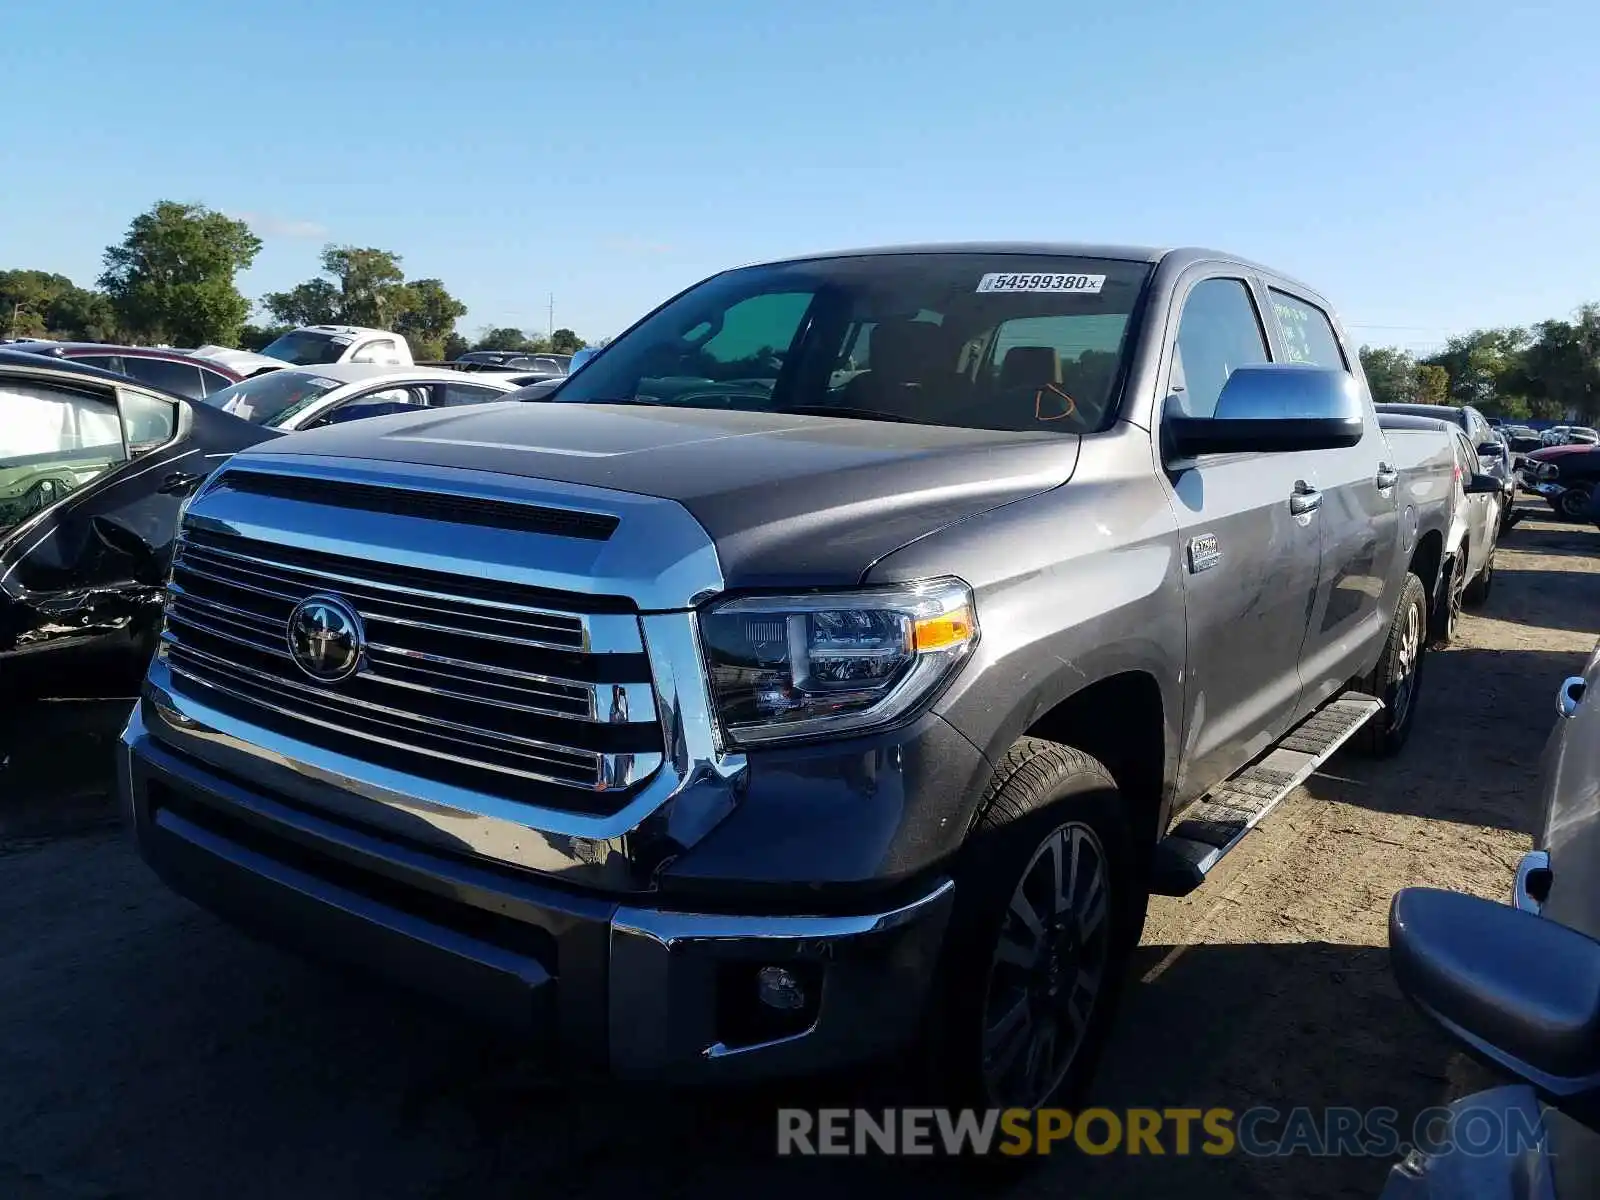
column 777, row 988
column 764, row 1002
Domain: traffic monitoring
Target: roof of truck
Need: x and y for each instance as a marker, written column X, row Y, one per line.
column 1176, row 257
column 1149, row 254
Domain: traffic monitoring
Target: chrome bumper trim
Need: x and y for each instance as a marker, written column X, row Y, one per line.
column 879, row 969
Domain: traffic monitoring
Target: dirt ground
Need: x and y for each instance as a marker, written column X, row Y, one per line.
column 146, row 1050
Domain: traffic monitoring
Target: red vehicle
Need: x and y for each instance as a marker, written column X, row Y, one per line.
column 171, row 370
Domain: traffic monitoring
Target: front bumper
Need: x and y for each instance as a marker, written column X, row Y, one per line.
column 580, row 979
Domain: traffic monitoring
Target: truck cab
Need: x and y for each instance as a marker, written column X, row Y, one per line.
column 316, row 345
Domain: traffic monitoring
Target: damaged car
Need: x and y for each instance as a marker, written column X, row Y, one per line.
column 94, row 469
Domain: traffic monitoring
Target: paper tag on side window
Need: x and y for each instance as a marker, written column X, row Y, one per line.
column 1078, row 285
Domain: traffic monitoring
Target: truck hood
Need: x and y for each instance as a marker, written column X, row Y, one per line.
column 791, row 501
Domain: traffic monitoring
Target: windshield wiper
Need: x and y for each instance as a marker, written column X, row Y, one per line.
column 840, row 410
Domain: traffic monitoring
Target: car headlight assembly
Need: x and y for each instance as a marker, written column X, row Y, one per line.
column 809, row 665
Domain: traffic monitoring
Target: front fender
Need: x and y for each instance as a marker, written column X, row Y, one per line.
column 1073, row 587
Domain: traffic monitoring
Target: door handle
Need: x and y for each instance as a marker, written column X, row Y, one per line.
column 180, row 483
column 1304, row 499
column 1387, row 477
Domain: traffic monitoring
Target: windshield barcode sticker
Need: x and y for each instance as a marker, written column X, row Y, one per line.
column 1082, row 285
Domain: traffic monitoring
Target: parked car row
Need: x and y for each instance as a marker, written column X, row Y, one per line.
column 1566, row 435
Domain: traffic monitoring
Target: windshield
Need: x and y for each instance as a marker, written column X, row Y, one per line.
column 274, row 398
column 306, row 349
column 984, row 341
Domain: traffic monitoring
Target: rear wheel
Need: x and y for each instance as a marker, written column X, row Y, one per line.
column 1477, row 591
column 1398, row 678
column 1046, row 907
column 1447, row 616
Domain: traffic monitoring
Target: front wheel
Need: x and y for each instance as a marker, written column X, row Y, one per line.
column 1047, row 904
column 1398, row 678
column 1573, row 504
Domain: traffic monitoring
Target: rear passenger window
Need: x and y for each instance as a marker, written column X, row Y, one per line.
column 1219, row 331
column 106, row 362
column 179, row 377
column 1308, row 335
column 215, row 382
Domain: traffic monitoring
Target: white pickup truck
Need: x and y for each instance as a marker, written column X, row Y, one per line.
column 322, row 345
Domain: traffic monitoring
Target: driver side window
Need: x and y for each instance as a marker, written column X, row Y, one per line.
column 53, row 441
column 1220, row 330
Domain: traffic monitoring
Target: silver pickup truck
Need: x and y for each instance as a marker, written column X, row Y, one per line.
column 834, row 666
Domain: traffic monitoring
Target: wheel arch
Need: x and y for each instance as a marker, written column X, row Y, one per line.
column 1427, row 558
column 1122, row 721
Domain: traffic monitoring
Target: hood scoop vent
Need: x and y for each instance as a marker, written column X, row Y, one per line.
column 432, row 506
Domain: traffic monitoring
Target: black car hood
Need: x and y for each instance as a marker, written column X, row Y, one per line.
column 790, row 500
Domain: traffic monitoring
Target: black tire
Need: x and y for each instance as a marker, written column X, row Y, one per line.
column 1397, row 681
column 1573, row 504
column 1044, row 796
column 1477, row 592
column 1451, row 597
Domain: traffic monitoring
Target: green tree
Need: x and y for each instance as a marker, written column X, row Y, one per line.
column 429, row 318
column 1562, row 366
column 25, row 298
column 314, row 302
column 171, row 278
column 455, row 346
column 1391, row 374
column 564, row 341
column 1482, row 365
column 257, row 337
column 505, row 338
column 1433, row 384
column 365, row 286
column 371, row 284
column 40, row 303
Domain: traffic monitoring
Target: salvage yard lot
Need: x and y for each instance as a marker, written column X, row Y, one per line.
column 146, row 1050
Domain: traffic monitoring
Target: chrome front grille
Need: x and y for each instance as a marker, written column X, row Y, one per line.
column 499, row 688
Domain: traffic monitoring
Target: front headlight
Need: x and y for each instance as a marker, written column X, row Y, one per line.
column 843, row 662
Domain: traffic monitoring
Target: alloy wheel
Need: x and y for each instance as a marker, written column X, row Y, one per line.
column 1406, row 664
column 1458, row 591
column 1048, row 968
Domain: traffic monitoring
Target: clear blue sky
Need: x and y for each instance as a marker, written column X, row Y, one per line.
column 1430, row 166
